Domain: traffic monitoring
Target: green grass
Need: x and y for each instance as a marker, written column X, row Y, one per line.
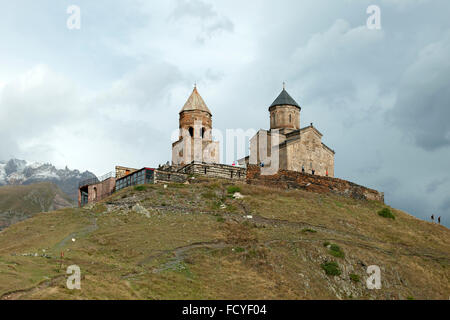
column 184, row 250
column 331, row 268
column 309, row 230
column 336, row 251
column 386, row 213
column 232, row 189
column 354, row 277
column 140, row 188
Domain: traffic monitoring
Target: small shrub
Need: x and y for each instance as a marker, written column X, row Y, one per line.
column 386, row 213
column 309, row 230
column 239, row 249
column 139, row 188
column 336, row 251
column 331, row 268
column 220, row 219
column 354, row 277
column 326, row 244
column 233, row 189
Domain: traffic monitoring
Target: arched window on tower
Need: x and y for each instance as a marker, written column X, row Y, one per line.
column 191, row 131
column 290, row 118
column 203, row 132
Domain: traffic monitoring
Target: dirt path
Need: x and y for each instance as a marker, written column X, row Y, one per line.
column 83, row 233
column 17, row 294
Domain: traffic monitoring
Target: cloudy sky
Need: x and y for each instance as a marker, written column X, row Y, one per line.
column 110, row 92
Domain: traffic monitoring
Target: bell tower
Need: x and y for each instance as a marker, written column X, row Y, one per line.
column 195, row 117
column 195, row 142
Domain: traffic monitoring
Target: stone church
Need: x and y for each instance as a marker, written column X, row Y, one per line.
column 297, row 147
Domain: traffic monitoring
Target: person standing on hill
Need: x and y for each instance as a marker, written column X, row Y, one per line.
column 313, row 171
column 439, row 219
column 432, row 218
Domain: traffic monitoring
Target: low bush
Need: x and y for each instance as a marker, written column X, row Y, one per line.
column 233, row 189
column 354, row 277
column 386, row 213
column 331, row 268
column 336, row 251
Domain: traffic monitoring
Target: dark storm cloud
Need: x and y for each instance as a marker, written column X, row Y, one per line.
column 423, row 106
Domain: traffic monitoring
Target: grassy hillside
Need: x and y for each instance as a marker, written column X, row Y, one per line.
column 197, row 242
column 19, row 202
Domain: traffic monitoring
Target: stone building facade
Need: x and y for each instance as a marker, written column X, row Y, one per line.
column 292, row 147
column 195, row 139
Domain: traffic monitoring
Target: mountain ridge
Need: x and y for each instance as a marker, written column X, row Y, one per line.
column 23, row 172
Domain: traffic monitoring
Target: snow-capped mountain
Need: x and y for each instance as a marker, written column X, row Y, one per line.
column 15, row 172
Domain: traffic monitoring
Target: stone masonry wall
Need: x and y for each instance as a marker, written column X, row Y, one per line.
column 216, row 171
column 169, row 176
column 296, row 180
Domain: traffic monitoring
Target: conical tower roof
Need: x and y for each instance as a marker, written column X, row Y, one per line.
column 284, row 99
column 195, row 102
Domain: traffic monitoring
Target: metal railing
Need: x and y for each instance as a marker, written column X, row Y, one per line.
column 95, row 180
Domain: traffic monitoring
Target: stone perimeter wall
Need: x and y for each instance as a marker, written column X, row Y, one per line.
column 215, row 170
column 169, row 176
column 296, row 180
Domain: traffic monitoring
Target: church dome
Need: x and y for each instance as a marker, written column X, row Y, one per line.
column 284, row 99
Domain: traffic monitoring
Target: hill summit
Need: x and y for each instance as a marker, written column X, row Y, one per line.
column 215, row 239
